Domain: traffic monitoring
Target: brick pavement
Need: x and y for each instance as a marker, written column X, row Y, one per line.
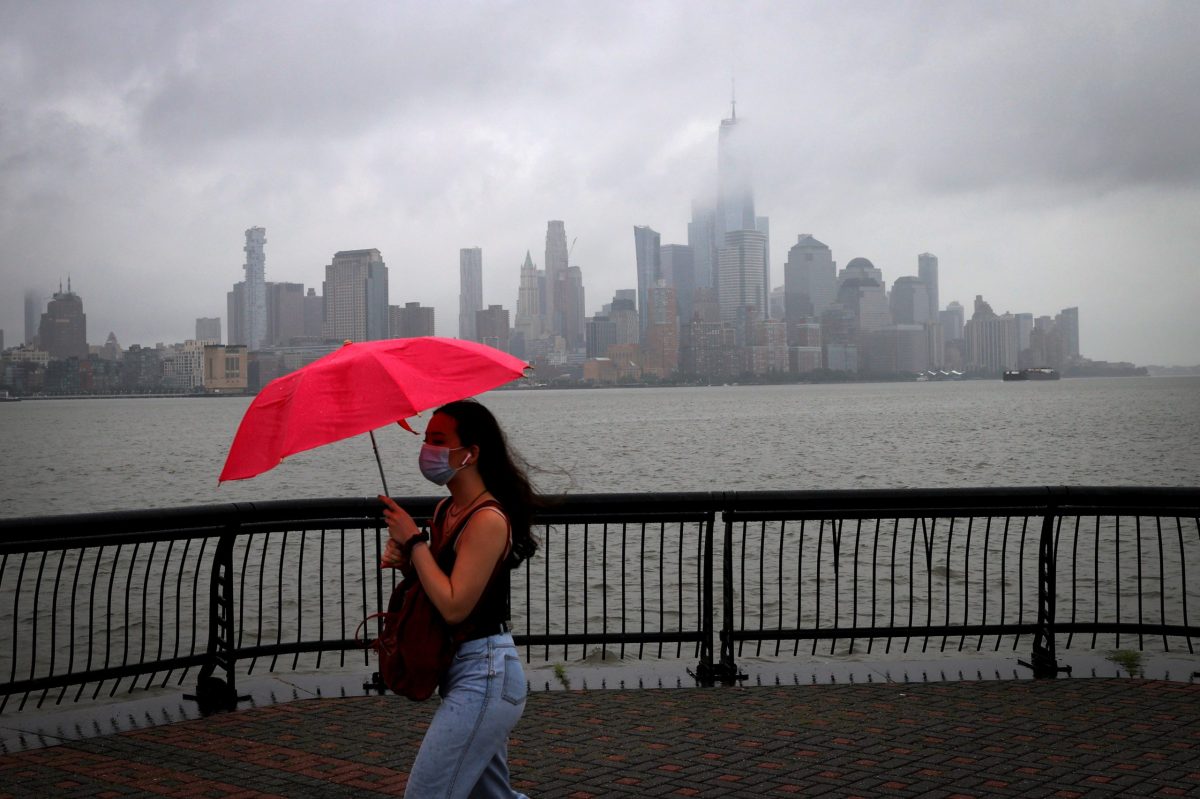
column 1060, row 738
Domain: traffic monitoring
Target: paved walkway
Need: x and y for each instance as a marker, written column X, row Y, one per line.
column 1061, row 738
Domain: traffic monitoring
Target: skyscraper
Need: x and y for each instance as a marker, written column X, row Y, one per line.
column 861, row 268
column 910, row 301
column 735, row 193
column 62, row 331
column 809, row 279
column 557, row 254
column 1047, row 345
column 992, row 341
column 1068, row 324
column 601, row 334
column 32, row 316
column 235, row 314
column 410, row 321
column 492, row 327
column 1024, row 331
column 543, row 295
column 740, row 275
column 285, row 313
column 952, row 320
column 314, row 312
column 624, row 315
column 209, row 330
column 776, row 301
column 861, row 292
column 470, row 291
column 356, row 296
column 528, row 324
column 677, row 267
column 732, row 211
column 927, row 270
column 647, row 252
column 705, row 307
column 702, row 238
column 660, row 342
column 254, row 305
column 763, row 225
column 766, row 348
column 573, row 314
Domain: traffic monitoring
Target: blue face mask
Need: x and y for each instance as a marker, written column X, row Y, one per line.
column 435, row 463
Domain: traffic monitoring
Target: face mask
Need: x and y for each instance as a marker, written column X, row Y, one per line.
column 435, row 463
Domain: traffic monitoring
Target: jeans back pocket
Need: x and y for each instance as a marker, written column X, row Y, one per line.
column 514, row 688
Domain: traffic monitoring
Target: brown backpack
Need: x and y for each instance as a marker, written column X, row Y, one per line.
column 416, row 644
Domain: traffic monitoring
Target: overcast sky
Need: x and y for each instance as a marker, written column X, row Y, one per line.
column 1047, row 153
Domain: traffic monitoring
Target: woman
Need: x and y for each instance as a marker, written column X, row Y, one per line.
column 465, row 750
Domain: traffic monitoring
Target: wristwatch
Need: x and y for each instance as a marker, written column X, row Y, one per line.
column 420, row 538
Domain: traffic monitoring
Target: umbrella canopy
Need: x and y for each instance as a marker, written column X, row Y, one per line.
column 358, row 388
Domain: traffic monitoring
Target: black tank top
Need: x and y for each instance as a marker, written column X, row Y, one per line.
column 492, row 609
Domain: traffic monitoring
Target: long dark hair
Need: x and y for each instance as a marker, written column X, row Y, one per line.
column 503, row 471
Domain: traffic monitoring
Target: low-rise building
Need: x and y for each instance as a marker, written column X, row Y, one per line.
column 183, row 366
column 226, row 369
column 600, row 370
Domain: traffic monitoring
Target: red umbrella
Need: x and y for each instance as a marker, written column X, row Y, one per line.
column 358, row 388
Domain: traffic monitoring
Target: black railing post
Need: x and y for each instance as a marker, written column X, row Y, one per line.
column 726, row 670
column 705, row 671
column 1042, row 660
column 215, row 693
column 376, row 683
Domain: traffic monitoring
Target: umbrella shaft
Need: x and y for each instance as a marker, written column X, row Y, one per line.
column 379, row 463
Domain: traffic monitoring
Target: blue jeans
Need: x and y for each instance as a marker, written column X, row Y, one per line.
column 465, row 750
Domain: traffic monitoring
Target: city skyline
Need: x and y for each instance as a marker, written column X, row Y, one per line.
column 909, row 132
column 797, row 328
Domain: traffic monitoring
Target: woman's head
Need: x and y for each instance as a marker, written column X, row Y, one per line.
column 470, row 426
column 484, row 444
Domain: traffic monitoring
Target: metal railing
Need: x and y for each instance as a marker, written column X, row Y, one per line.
column 960, row 569
column 124, row 601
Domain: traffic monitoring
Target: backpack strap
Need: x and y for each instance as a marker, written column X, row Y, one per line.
column 451, row 541
column 439, row 516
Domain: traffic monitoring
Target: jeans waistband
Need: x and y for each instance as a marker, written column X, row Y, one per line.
column 486, row 631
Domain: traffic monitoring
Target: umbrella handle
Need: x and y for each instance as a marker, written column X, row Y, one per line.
column 378, row 462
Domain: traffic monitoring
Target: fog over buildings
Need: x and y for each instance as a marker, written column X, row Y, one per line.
column 1044, row 152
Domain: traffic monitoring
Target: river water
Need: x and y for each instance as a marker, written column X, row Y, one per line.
column 74, row 456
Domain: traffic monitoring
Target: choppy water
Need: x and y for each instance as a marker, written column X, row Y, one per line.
column 91, row 455
column 69, row 456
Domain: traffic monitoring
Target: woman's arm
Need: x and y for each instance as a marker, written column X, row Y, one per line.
column 480, row 547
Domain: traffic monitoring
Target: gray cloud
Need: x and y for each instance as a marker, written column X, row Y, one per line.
column 138, row 140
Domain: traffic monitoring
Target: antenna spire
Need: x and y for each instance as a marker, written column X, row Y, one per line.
column 733, row 97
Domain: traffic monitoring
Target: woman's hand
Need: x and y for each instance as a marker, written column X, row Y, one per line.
column 393, row 557
column 401, row 526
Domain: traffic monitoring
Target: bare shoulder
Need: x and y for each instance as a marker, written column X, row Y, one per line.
column 486, row 529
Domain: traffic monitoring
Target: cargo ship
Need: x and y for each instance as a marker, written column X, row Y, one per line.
column 1037, row 373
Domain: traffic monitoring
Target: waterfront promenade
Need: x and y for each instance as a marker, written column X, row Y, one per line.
column 1052, row 738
